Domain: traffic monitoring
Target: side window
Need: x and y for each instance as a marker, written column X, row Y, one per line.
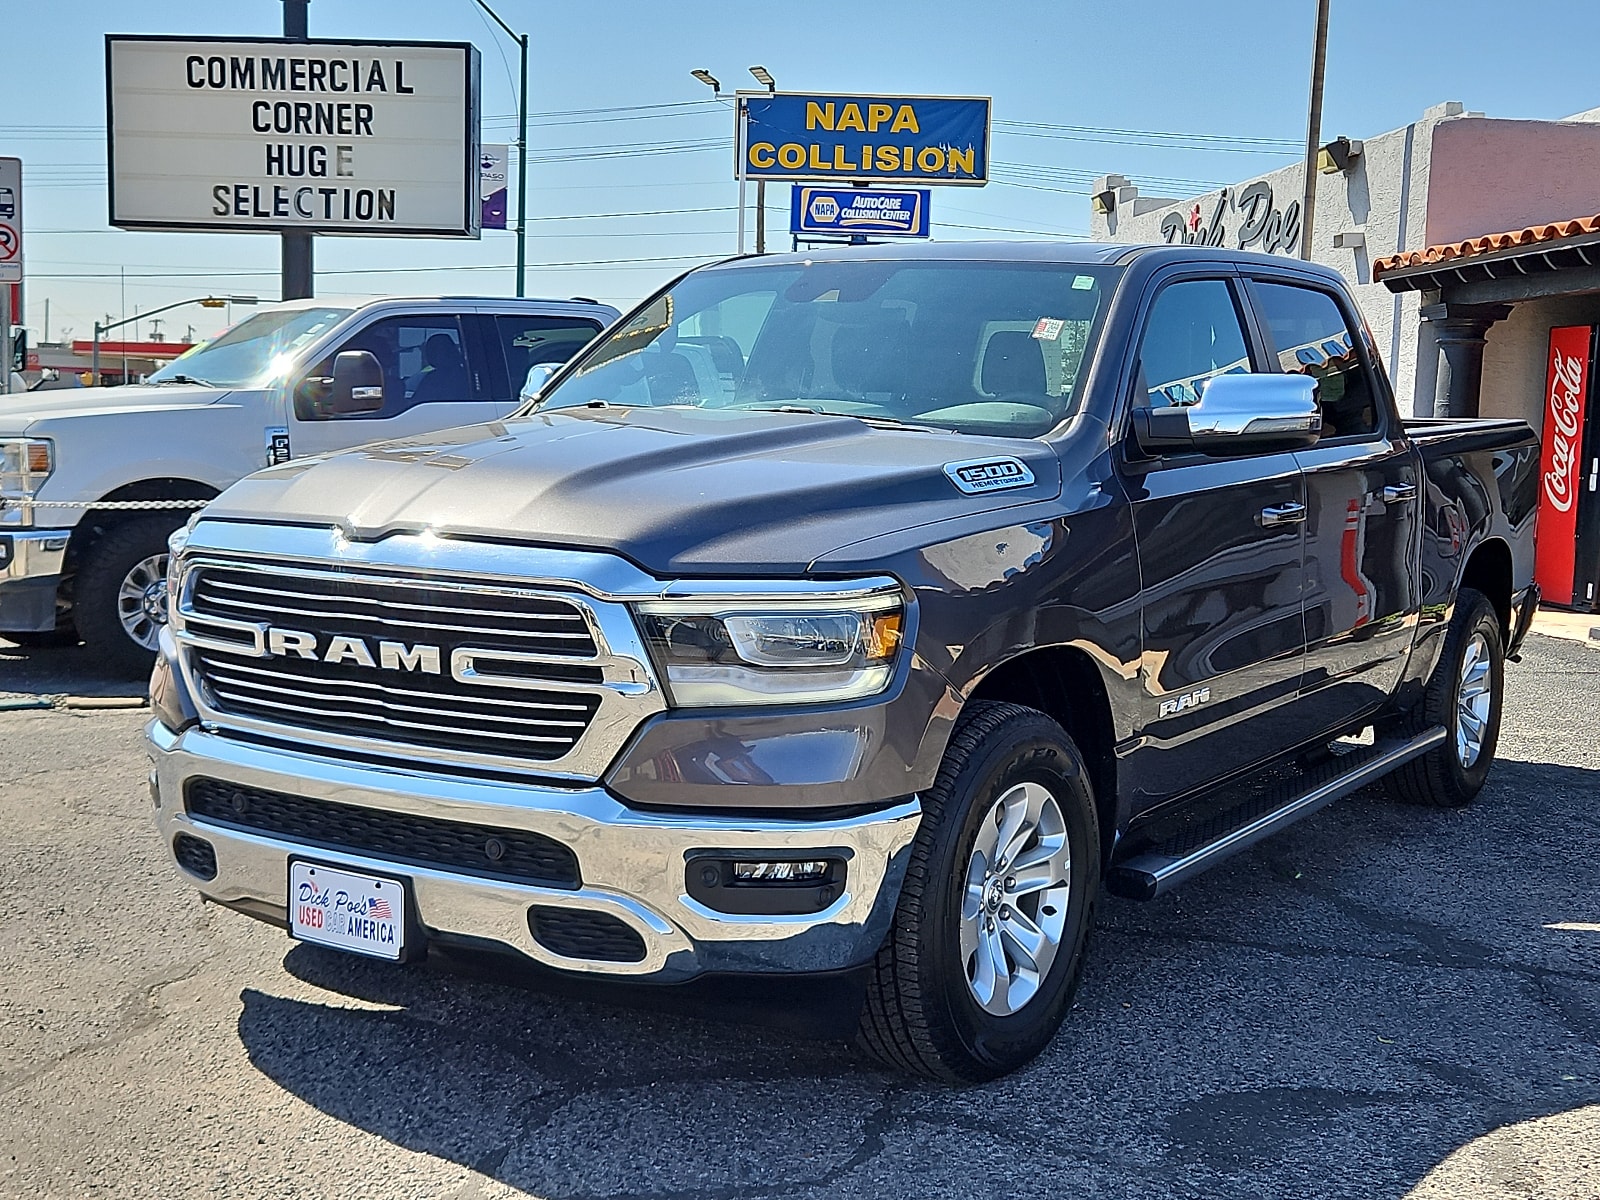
column 1193, row 333
column 424, row 359
column 1311, row 337
column 532, row 341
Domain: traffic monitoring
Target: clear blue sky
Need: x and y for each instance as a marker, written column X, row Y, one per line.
column 1236, row 68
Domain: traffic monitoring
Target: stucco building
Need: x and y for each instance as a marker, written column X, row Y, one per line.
column 1466, row 237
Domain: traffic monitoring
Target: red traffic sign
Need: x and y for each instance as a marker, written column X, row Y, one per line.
column 10, row 242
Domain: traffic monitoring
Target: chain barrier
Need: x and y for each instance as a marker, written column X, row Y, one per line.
column 107, row 505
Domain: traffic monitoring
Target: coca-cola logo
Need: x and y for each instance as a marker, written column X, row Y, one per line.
column 1566, row 398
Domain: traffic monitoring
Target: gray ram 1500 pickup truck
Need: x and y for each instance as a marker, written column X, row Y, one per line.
column 854, row 611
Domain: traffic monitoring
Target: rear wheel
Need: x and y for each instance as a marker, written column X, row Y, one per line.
column 988, row 938
column 121, row 600
column 1464, row 695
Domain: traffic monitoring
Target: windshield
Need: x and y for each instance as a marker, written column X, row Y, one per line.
column 253, row 352
column 976, row 347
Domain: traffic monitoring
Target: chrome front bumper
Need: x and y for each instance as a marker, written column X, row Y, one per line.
column 30, row 570
column 632, row 863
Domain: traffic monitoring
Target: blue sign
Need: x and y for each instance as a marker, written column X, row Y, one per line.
column 856, row 211
column 885, row 139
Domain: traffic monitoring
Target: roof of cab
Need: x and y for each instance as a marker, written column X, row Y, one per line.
column 1088, row 253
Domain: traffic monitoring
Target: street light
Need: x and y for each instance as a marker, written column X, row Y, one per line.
column 521, row 39
column 765, row 79
column 104, row 327
column 707, row 78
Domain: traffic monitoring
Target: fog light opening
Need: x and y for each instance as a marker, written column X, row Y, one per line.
column 811, row 870
column 765, row 886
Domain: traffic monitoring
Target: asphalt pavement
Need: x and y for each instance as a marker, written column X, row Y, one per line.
column 1382, row 1002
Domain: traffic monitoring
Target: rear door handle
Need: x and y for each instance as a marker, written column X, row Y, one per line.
column 1281, row 514
column 1399, row 493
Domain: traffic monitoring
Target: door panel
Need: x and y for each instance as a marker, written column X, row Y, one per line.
column 1362, row 596
column 433, row 378
column 1220, row 550
column 1223, row 632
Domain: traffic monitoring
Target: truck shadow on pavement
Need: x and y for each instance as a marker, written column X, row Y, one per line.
column 1334, row 1014
column 61, row 671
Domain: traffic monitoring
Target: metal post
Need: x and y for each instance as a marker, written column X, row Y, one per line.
column 5, row 339
column 1319, row 59
column 522, row 177
column 740, row 134
column 761, row 216
column 296, row 257
column 94, row 362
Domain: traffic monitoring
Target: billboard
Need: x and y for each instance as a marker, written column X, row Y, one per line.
column 269, row 135
column 859, row 211
column 886, row 139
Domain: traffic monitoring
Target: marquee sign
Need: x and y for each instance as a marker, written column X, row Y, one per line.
column 369, row 137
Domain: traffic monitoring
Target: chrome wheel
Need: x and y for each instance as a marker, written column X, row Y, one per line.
column 142, row 600
column 1014, row 906
column 1474, row 701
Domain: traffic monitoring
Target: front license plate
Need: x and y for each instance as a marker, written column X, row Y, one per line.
column 359, row 913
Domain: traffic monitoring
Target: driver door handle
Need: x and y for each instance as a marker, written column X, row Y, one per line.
column 1398, row 494
column 1281, row 514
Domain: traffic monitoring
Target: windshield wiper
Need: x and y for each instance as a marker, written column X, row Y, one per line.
column 185, row 379
column 867, row 418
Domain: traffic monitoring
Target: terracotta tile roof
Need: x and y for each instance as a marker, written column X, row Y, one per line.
column 1532, row 235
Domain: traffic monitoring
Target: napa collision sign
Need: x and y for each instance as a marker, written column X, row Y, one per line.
column 367, row 137
column 871, row 139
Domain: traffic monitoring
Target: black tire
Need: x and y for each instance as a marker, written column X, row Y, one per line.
column 1439, row 778
column 106, row 564
column 920, row 1013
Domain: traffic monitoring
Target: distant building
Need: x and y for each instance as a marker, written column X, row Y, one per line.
column 1467, row 238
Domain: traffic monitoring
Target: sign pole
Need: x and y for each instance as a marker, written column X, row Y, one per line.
column 522, row 176
column 296, row 269
column 741, row 137
column 5, row 338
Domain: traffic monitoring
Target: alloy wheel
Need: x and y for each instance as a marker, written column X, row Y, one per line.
column 1474, row 701
column 142, row 600
column 1014, row 902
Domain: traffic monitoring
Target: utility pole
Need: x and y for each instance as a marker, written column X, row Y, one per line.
column 1319, row 60
column 296, row 260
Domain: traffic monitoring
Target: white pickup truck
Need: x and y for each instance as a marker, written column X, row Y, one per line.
column 93, row 482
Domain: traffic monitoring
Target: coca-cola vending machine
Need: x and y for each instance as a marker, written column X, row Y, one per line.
column 1567, row 558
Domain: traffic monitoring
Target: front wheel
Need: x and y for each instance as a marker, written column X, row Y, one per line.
column 121, row 597
column 988, row 938
column 1464, row 695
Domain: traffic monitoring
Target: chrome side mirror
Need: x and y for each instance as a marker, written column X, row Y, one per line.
column 1236, row 414
column 538, row 375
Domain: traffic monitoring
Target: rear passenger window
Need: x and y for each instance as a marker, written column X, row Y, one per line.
column 534, row 341
column 1311, row 337
column 1193, row 334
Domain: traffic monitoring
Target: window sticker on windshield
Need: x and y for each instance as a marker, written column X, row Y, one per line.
column 1083, row 283
column 1048, row 329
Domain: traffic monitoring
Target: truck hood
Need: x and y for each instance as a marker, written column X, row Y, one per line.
column 690, row 491
column 18, row 413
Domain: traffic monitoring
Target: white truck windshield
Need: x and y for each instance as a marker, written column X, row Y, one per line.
column 254, row 351
column 978, row 347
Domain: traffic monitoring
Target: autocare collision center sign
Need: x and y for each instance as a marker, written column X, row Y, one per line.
column 266, row 134
column 923, row 139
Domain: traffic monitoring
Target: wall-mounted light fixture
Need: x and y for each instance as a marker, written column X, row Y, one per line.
column 1338, row 155
column 1104, row 202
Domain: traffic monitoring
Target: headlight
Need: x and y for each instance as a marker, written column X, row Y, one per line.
column 25, row 463
column 775, row 651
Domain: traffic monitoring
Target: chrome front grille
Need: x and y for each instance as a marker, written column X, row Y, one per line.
column 458, row 671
